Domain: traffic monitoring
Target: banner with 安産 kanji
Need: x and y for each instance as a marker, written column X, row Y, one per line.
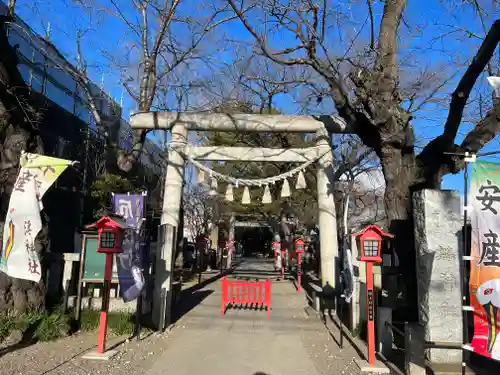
column 484, row 283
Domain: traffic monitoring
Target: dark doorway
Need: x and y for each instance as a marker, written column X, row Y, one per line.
column 256, row 241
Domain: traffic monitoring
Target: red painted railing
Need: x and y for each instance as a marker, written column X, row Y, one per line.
column 249, row 293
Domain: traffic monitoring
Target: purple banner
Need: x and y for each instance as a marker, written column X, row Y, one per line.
column 128, row 263
column 131, row 207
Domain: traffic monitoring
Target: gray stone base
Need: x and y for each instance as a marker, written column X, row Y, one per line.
column 106, row 356
column 448, row 368
column 94, row 303
column 377, row 368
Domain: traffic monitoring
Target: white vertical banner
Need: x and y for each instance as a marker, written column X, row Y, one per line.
column 23, row 223
column 18, row 257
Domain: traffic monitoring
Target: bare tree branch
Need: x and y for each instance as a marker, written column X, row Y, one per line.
column 372, row 24
column 484, row 131
column 462, row 92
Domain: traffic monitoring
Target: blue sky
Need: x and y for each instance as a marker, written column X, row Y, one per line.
column 420, row 43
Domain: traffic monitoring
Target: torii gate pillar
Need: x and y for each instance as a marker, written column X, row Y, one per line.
column 172, row 198
column 327, row 220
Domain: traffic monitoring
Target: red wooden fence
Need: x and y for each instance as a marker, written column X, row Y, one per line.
column 249, row 293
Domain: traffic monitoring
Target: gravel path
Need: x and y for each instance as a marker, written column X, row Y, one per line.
column 242, row 342
column 64, row 357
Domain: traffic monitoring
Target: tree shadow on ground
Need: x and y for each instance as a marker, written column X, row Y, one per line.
column 188, row 299
column 187, row 302
column 191, row 297
column 28, row 338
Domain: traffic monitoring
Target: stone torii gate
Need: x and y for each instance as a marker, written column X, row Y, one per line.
column 181, row 123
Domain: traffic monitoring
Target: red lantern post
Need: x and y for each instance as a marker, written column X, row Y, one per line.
column 299, row 249
column 110, row 238
column 370, row 243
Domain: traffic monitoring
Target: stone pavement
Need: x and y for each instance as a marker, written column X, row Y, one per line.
column 245, row 342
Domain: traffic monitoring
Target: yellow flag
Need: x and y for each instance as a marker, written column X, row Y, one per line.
column 44, row 169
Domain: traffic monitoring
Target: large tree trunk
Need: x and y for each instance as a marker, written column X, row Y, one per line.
column 18, row 132
column 399, row 173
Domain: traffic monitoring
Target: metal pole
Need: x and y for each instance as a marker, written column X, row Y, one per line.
column 144, row 264
column 200, row 264
column 341, row 324
column 344, row 254
column 163, row 306
column 299, row 273
column 221, row 260
column 85, row 174
column 282, row 264
column 463, row 284
column 138, row 314
column 79, row 288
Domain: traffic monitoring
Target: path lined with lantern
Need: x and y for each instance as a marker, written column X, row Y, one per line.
column 244, row 341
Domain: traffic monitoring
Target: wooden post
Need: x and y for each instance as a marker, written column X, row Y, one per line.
column 103, row 319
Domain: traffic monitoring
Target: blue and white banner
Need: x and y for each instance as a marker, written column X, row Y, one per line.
column 129, row 263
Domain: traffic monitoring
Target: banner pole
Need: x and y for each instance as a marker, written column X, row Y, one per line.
column 465, row 325
column 142, row 254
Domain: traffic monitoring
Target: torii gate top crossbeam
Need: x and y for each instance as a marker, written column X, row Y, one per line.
column 239, row 122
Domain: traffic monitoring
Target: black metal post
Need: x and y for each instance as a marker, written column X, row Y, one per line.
column 142, row 253
column 341, row 325
column 138, row 313
column 163, row 309
column 146, row 262
column 221, row 261
column 79, row 288
column 463, row 284
column 199, row 263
